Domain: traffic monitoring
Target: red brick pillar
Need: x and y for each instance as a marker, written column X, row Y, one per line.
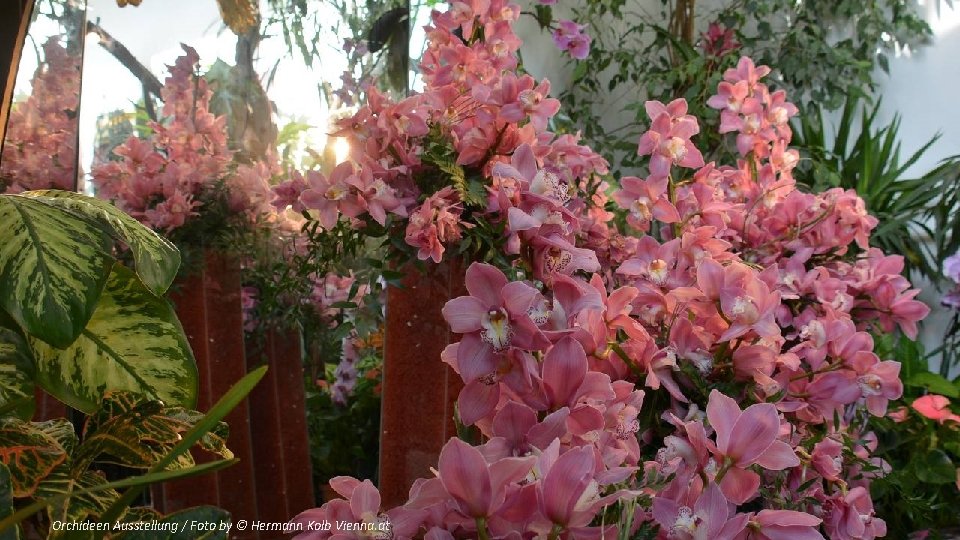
column 208, row 305
column 419, row 391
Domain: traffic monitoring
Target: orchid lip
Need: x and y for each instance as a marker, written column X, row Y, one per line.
column 496, row 331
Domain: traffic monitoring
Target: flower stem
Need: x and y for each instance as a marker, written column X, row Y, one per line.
column 555, row 532
column 482, row 533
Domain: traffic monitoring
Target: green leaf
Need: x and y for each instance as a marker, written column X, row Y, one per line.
column 156, row 258
column 74, row 495
column 134, row 432
column 237, row 393
column 53, row 265
column 134, row 342
column 142, row 480
column 6, row 504
column 16, row 375
column 935, row 383
column 936, row 468
column 29, row 453
column 178, row 523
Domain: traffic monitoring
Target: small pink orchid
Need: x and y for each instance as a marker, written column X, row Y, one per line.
column 850, row 516
column 478, row 488
column 570, row 37
column 935, row 407
column 668, row 140
column 646, row 201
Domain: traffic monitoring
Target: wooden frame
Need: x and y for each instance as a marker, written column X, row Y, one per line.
column 14, row 21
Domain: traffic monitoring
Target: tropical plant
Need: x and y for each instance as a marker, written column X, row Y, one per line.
column 80, row 322
column 866, row 156
column 100, row 337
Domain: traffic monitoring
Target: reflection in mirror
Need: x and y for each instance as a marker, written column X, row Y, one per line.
column 40, row 144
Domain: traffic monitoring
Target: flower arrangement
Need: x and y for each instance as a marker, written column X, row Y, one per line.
column 477, row 116
column 40, row 151
column 707, row 372
column 183, row 170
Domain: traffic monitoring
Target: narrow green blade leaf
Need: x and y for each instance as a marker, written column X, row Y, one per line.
column 237, row 393
column 134, row 432
column 156, row 258
column 53, row 266
column 134, row 342
column 142, row 480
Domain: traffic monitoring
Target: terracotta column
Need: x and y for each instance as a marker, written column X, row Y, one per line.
column 279, row 424
column 419, row 391
column 208, row 305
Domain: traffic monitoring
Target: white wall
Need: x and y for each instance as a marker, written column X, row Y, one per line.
column 923, row 88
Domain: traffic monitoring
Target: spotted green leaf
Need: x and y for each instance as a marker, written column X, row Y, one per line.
column 76, row 502
column 133, row 342
column 16, row 375
column 29, row 453
column 6, row 504
column 53, row 265
column 134, row 432
column 156, row 258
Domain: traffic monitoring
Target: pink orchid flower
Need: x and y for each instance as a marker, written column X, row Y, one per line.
column 668, row 140
column 709, row 519
column 329, row 195
column 362, row 507
column 781, row 525
column 646, row 201
column 745, row 301
column 478, row 489
column 745, row 437
column 493, row 318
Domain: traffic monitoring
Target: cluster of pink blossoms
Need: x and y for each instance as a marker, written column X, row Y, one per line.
column 744, row 315
column 491, row 122
column 164, row 179
column 40, row 151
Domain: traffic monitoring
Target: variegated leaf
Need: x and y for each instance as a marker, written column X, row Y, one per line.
column 156, row 258
column 134, row 342
column 29, row 453
column 181, row 519
column 62, row 431
column 76, row 507
column 6, row 504
column 133, row 432
column 16, row 375
column 53, row 265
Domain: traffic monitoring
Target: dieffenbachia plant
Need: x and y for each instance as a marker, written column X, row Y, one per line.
column 73, row 319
